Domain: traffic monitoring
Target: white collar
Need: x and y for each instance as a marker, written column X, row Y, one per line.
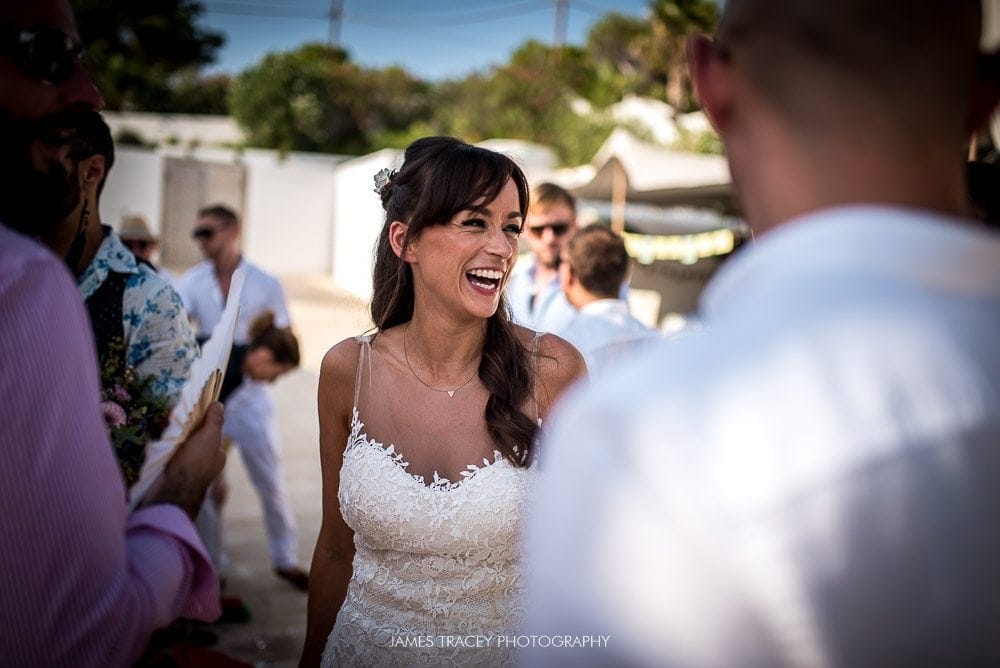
column 887, row 240
column 604, row 306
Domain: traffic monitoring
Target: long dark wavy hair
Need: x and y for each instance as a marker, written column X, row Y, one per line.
column 440, row 177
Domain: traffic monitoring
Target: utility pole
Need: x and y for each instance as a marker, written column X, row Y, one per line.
column 562, row 15
column 336, row 18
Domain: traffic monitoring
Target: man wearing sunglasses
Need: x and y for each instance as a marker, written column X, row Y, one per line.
column 534, row 291
column 250, row 410
column 82, row 583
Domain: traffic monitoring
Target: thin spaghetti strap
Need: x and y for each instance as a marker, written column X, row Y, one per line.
column 534, row 374
column 365, row 343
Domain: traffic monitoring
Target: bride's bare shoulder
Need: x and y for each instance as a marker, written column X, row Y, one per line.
column 341, row 361
column 558, row 364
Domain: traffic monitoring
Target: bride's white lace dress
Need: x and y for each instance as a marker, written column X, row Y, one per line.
column 437, row 564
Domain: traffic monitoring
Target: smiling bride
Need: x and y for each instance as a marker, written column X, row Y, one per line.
column 428, row 427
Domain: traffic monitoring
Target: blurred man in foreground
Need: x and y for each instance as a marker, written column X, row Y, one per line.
column 811, row 481
column 82, row 583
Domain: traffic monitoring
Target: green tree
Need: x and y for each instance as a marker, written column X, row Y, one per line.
column 295, row 101
column 619, row 46
column 136, row 49
column 648, row 57
column 393, row 101
column 316, row 99
column 672, row 21
column 194, row 94
column 532, row 97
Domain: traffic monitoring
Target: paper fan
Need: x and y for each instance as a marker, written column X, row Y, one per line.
column 201, row 389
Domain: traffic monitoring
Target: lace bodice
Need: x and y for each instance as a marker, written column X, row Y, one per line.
column 436, row 563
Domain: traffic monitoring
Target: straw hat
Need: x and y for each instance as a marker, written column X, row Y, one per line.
column 135, row 228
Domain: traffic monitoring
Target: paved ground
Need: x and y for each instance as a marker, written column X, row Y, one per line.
column 322, row 315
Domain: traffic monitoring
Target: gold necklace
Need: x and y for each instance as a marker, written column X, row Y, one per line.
column 451, row 393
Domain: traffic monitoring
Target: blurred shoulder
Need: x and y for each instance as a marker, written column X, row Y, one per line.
column 557, row 363
column 150, row 281
column 34, row 281
column 196, row 274
column 341, row 361
column 560, row 351
column 259, row 275
column 549, row 348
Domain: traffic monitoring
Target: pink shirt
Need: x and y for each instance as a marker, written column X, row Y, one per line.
column 81, row 582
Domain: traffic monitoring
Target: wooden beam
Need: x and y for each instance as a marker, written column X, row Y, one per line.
column 619, row 188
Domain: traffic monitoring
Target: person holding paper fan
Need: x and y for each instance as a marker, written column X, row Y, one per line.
column 250, row 408
column 83, row 582
column 145, row 345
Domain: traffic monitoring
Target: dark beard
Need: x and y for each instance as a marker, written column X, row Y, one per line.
column 33, row 201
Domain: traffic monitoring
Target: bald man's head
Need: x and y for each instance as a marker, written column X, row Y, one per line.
column 915, row 57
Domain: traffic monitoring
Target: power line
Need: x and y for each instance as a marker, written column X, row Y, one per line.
column 264, row 11
column 396, row 22
column 224, row 6
column 597, row 10
column 423, row 10
column 384, row 23
column 521, row 8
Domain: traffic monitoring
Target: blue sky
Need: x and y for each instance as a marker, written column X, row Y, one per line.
column 433, row 39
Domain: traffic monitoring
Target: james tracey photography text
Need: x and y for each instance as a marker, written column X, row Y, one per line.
column 477, row 641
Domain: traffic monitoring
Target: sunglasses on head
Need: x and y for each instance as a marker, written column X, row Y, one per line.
column 46, row 54
column 558, row 228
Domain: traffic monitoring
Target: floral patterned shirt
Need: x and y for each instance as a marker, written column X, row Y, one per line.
column 158, row 336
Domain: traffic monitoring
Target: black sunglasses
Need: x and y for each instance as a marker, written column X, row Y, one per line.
column 205, row 233
column 558, row 229
column 49, row 55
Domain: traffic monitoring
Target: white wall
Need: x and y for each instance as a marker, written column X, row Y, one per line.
column 184, row 129
column 302, row 213
column 357, row 220
column 288, row 204
column 287, row 222
column 134, row 187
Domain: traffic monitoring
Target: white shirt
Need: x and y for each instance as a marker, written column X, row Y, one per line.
column 203, row 298
column 546, row 311
column 811, row 480
column 606, row 334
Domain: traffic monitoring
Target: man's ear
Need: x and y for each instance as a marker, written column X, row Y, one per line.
column 711, row 74
column 91, row 171
column 397, row 239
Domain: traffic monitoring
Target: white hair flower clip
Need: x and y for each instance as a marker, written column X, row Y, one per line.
column 382, row 179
